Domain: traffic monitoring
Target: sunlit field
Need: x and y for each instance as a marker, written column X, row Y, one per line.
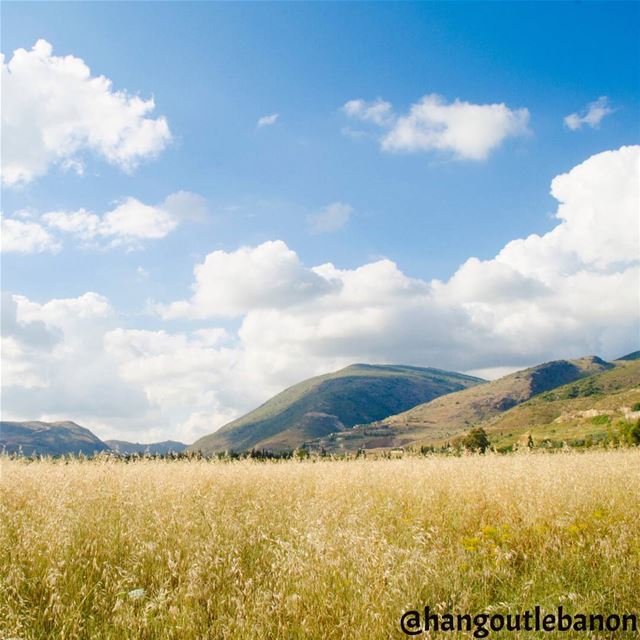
column 304, row 549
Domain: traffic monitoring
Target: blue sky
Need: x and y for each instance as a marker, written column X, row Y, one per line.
column 215, row 69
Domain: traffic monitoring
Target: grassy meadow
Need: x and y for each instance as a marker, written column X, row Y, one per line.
column 312, row 549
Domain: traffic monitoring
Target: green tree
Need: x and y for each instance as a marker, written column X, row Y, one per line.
column 476, row 440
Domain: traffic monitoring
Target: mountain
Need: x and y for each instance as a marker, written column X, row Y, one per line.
column 332, row 402
column 153, row 448
column 48, row 438
column 634, row 355
column 443, row 418
column 592, row 408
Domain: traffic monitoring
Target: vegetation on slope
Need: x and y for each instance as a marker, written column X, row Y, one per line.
column 451, row 415
column 596, row 408
column 324, row 404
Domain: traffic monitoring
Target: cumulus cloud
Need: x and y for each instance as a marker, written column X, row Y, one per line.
column 130, row 222
column 70, row 359
column 561, row 291
column 54, row 110
column 469, row 131
column 332, row 218
column 26, row 237
column 233, row 283
column 566, row 293
column 541, row 297
column 175, row 371
column 591, row 115
column 56, row 367
column 267, row 121
column 598, row 214
column 466, row 130
column 21, row 345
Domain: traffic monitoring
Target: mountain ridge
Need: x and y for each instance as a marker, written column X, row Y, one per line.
column 453, row 414
column 354, row 394
column 593, row 408
column 551, row 402
column 49, row 438
column 65, row 437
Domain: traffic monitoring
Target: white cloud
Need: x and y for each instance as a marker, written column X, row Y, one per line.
column 126, row 225
column 184, row 205
column 332, row 218
column 171, row 368
column 567, row 293
column 66, row 314
column 54, row 110
column 599, row 218
column 541, row 297
column 492, row 373
column 44, row 333
column 83, row 224
column 468, row 131
column 130, row 222
column 133, row 220
column 592, row 115
column 378, row 111
column 70, row 359
column 21, row 346
column 561, row 291
column 25, row 237
column 267, row 121
column 231, row 284
column 141, row 274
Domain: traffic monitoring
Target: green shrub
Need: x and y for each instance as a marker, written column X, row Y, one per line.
column 630, row 433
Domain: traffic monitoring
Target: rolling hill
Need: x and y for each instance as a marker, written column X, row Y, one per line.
column 332, row 402
column 153, row 448
column 49, row 438
column 448, row 416
column 386, row 406
column 590, row 409
column 69, row 438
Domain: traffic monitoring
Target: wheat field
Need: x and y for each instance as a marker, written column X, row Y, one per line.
column 311, row 549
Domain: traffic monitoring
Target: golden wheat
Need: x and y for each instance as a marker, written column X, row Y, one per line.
column 312, row 549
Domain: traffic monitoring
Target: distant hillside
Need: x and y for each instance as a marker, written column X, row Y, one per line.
column 453, row 414
column 332, row 402
column 635, row 355
column 48, row 438
column 591, row 408
column 153, row 448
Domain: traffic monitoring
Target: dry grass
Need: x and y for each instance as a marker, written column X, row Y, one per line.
column 320, row 550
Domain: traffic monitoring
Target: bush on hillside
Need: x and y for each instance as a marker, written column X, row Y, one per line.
column 630, row 433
